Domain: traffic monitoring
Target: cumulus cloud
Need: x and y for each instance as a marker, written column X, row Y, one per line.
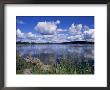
column 30, row 35
column 25, row 36
column 19, row 34
column 47, row 28
column 75, row 38
column 49, row 32
column 58, row 38
column 80, row 32
column 89, row 34
column 75, row 29
column 75, row 32
column 79, row 27
column 86, row 28
column 60, row 30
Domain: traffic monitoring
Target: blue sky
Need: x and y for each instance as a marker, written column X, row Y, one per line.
column 54, row 28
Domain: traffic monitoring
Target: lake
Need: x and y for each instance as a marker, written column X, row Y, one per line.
column 53, row 53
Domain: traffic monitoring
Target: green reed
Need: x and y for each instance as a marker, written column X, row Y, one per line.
column 64, row 67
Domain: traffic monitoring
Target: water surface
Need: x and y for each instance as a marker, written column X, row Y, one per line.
column 53, row 53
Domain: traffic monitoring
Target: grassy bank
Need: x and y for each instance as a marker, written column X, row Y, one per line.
column 64, row 67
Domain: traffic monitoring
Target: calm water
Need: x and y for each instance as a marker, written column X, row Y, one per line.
column 53, row 53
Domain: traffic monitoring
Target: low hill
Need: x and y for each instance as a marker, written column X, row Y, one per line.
column 73, row 42
column 79, row 42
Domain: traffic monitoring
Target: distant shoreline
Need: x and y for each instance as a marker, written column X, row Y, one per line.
column 73, row 42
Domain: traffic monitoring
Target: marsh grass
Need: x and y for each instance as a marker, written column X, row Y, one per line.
column 64, row 67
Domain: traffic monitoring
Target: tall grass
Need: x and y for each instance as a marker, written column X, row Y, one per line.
column 64, row 67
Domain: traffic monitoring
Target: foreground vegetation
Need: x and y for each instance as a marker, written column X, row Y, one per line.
column 30, row 66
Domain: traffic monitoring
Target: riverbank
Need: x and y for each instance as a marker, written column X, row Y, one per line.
column 30, row 65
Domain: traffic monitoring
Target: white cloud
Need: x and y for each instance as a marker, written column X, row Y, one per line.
column 47, row 36
column 56, row 38
column 25, row 36
column 89, row 35
column 86, row 28
column 75, row 29
column 49, row 32
column 75, row 32
column 19, row 34
column 75, row 38
column 59, row 30
column 30, row 35
column 79, row 27
column 79, row 32
column 90, row 32
column 47, row 28
column 57, row 22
